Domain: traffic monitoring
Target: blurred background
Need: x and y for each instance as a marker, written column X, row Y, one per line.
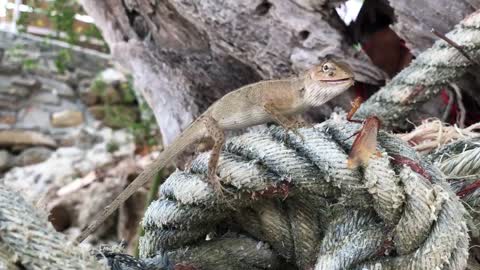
column 90, row 91
column 69, row 117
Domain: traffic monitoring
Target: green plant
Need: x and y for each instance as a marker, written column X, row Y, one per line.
column 112, row 146
column 29, row 64
column 23, row 22
column 128, row 93
column 63, row 60
column 99, row 87
column 62, row 14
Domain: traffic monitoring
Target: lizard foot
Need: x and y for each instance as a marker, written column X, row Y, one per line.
column 301, row 123
column 216, row 183
column 294, row 129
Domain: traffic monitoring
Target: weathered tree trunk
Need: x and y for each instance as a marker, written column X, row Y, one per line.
column 415, row 19
column 186, row 54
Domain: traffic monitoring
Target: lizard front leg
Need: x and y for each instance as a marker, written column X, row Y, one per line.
column 282, row 120
column 218, row 136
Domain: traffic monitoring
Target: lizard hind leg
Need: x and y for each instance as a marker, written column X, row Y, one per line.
column 218, row 136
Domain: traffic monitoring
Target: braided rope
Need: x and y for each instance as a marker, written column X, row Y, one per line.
column 28, row 240
column 329, row 218
column 332, row 217
column 426, row 75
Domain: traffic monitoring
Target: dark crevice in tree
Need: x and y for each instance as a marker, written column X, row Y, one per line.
column 304, row 34
column 136, row 20
column 263, row 8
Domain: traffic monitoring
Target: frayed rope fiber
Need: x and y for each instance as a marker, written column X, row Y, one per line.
column 293, row 201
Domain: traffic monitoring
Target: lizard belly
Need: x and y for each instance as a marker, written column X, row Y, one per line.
column 246, row 118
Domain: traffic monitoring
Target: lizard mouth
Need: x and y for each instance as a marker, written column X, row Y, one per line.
column 338, row 81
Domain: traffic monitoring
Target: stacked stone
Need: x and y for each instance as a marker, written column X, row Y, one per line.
column 48, row 116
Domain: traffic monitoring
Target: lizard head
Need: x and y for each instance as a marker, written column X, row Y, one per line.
column 326, row 81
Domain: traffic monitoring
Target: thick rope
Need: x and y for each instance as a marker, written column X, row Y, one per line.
column 297, row 198
column 300, row 198
column 432, row 71
column 29, row 241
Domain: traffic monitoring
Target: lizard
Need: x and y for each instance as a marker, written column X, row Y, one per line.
column 253, row 104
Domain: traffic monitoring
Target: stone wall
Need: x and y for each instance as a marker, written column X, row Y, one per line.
column 43, row 113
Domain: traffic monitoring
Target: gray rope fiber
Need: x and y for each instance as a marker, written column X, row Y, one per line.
column 300, row 198
column 430, row 72
column 29, row 241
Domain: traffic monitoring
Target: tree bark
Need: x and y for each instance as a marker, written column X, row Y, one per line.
column 415, row 19
column 185, row 54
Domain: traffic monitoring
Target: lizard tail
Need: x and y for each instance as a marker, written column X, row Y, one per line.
column 195, row 132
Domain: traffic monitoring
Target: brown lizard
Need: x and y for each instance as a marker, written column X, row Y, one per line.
column 258, row 103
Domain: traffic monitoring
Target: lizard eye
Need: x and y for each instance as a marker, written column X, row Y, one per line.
column 326, row 68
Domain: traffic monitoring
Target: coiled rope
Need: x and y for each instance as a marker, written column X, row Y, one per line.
column 314, row 212
column 29, row 241
column 300, row 200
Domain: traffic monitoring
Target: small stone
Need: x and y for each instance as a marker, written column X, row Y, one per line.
column 10, row 69
column 31, row 156
column 67, row 118
column 5, row 160
column 15, row 91
column 98, row 112
column 82, row 74
column 86, row 95
column 46, row 98
column 7, row 118
column 110, row 76
column 89, row 98
column 56, row 87
column 25, row 137
column 28, row 83
column 34, row 117
column 6, row 103
column 111, row 96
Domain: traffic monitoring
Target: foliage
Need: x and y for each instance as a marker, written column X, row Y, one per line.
column 17, row 54
column 112, row 146
column 61, row 14
column 29, row 64
column 63, row 60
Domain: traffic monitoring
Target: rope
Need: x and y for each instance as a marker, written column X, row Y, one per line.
column 28, row 240
column 426, row 76
column 300, row 198
column 291, row 204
